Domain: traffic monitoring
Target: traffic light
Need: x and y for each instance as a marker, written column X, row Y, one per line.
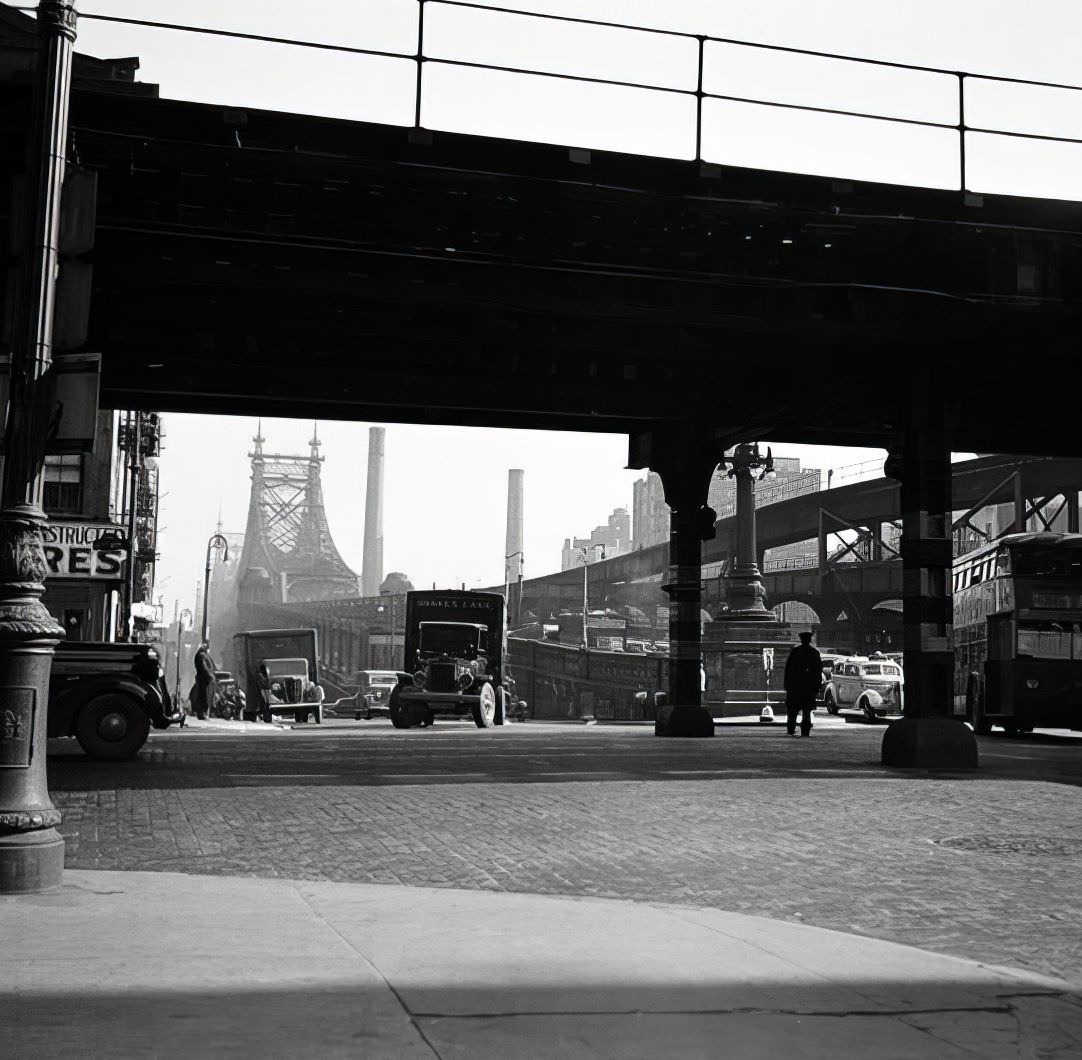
column 707, row 518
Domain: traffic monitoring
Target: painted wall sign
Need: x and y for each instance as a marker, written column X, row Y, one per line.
column 70, row 552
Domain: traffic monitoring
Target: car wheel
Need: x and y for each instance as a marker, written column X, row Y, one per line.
column 865, row 705
column 112, row 727
column 484, row 713
column 828, row 702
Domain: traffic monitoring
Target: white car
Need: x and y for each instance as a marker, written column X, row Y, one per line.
column 873, row 685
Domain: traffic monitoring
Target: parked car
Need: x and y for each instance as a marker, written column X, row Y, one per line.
column 873, row 685
column 108, row 696
column 829, row 659
column 374, row 692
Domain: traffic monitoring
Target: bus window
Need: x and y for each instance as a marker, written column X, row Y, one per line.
column 1045, row 640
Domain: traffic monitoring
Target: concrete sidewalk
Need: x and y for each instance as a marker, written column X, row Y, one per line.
column 134, row 964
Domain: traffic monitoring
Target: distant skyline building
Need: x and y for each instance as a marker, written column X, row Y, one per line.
column 615, row 535
column 372, row 556
column 651, row 513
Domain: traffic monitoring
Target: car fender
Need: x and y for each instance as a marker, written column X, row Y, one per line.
column 68, row 699
column 873, row 697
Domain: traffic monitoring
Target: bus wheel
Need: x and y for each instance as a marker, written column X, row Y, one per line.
column 828, row 702
column 484, row 714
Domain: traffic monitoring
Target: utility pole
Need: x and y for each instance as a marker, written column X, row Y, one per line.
column 31, row 850
column 135, row 426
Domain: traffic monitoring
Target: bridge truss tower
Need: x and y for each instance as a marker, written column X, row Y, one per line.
column 289, row 555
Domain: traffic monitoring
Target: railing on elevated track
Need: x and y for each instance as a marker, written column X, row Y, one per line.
column 707, row 61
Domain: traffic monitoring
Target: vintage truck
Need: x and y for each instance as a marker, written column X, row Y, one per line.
column 455, row 652
column 291, row 679
column 108, row 696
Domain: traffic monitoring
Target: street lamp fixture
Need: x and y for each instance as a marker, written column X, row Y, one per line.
column 585, row 550
column 217, row 541
column 381, row 609
column 744, row 589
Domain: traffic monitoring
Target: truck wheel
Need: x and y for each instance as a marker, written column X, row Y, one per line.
column 318, row 715
column 112, row 727
column 484, row 714
column 400, row 715
column 301, row 717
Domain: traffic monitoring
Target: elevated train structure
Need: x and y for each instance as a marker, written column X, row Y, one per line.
column 854, row 580
column 293, row 265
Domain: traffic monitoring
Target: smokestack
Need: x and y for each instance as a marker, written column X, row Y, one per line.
column 512, row 564
column 372, row 561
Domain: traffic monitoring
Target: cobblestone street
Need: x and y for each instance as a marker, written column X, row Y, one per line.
column 985, row 866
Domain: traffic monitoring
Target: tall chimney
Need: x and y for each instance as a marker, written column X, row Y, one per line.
column 512, row 564
column 372, row 561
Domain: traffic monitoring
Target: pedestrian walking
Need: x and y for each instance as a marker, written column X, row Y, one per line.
column 803, row 676
column 264, row 682
column 204, row 692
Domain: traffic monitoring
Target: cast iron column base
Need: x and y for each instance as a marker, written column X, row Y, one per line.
column 929, row 743
column 31, row 862
column 683, row 721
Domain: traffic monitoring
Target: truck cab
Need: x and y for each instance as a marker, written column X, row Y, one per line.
column 454, row 646
column 279, row 671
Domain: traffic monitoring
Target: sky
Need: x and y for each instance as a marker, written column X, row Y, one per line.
column 572, row 482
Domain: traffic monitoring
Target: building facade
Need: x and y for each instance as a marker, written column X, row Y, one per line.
column 614, row 537
column 103, row 516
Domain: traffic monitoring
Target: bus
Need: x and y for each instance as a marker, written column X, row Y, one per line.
column 1018, row 633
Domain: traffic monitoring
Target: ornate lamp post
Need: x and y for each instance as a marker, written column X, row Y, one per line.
column 217, row 541
column 744, row 589
column 184, row 621
column 585, row 550
column 31, row 850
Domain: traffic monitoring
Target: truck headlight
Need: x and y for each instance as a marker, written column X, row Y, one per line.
column 465, row 680
column 419, row 678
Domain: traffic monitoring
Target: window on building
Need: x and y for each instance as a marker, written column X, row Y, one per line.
column 63, row 483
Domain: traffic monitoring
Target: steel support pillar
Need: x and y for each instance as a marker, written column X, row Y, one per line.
column 1071, row 498
column 685, row 465
column 929, row 736
column 31, row 849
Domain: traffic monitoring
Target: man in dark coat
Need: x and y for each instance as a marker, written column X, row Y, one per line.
column 205, row 689
column 803, row 676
